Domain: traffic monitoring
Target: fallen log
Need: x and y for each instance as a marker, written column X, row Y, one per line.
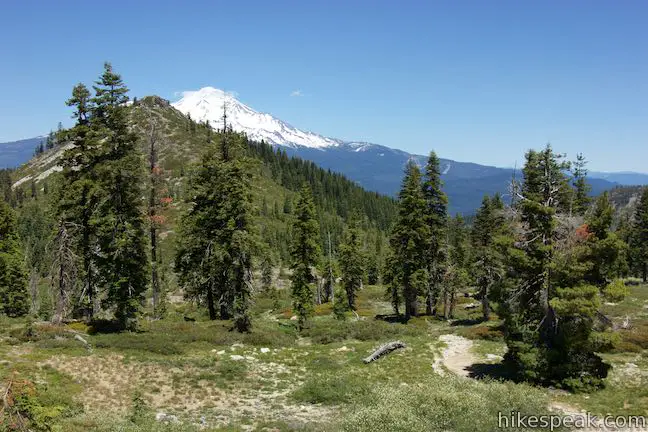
column 384, row 349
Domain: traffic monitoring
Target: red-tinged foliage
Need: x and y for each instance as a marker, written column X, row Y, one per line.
column 583, row 233
column 166, row 200
column 157, row 219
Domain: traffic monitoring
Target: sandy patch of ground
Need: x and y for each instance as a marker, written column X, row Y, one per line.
column 110, row 381
column 456, row 356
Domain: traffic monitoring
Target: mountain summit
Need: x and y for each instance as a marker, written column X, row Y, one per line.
column 207, row 104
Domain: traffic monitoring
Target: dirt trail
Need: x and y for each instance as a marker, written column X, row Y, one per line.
column 456, row 356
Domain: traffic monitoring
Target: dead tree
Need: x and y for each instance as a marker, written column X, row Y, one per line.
column 64, row 270
column 152, row 211
column 384, row 349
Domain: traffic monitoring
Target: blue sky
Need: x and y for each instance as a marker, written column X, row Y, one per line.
column 478, row 81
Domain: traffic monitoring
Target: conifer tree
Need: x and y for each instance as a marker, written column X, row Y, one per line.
column 123, row 262
column 580, row 199
column 549, row 318
column 214, row 256
column 456, row 275
column 78, row 194
column 352, row 262
column 409, row 241
column 155, row 220
column 606, row 253
column 14, row 297
column 436, row 219
column 488, row 262
column 639, row 236
column 305, row 254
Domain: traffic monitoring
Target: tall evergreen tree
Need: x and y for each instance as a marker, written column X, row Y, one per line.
column 155, row 219
column 456, row 275
column 488, row 261
column 409, row 241
column 352, row 266
column 436, row 219
column 78, row 194
column 14, row 297
column 606, row 251
column 639, row 236
column 214, row 257
column 548, row 319
column 305, row 254
column 123, row 262
column 580, row 198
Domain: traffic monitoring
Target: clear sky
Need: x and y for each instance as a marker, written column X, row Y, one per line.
column 479, row 80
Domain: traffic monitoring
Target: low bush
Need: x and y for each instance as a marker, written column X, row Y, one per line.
column 616, row 291
column 483, row 332
column 330, row 389
column 638, row 335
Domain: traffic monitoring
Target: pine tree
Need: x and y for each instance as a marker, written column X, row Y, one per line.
column 50, row 141
column 409, row 241
column 266, row 274
column 154, row 219
column 352, row 266
column 639, row 236
column 14, row 297
column 436, row 219
column 374, row 260
column 214, row 256
column 580, row 199
column 549, row 318
column 305, row 254
column 606, row 251
column 78, row 195
column 64, row 270
column 122, row 265
column 488, row 261
column 456, row 275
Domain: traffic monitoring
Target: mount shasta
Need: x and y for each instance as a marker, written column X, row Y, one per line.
column 373, row 166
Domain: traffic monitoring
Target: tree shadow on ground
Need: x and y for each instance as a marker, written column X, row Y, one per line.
column 467, row 322
column 496, row 371
column 392, row 318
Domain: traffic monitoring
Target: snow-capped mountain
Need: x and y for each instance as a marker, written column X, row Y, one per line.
column 373, row 166
column 207, row 104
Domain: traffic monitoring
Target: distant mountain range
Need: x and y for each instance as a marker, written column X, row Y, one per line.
column 373, row 166
column 16, row 153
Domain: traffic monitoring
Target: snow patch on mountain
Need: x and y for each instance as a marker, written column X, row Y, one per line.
column 207, row 104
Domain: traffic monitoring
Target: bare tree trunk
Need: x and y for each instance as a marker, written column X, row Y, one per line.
column 155, row 281
column 485, row 303
column 428, row 301
column 33, row 289
column 210, row 302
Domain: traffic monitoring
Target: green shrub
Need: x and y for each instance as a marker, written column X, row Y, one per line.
column 616, row 291
column 637, row 335
column 330, row 389
column 231, row 370
column 489, row 333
